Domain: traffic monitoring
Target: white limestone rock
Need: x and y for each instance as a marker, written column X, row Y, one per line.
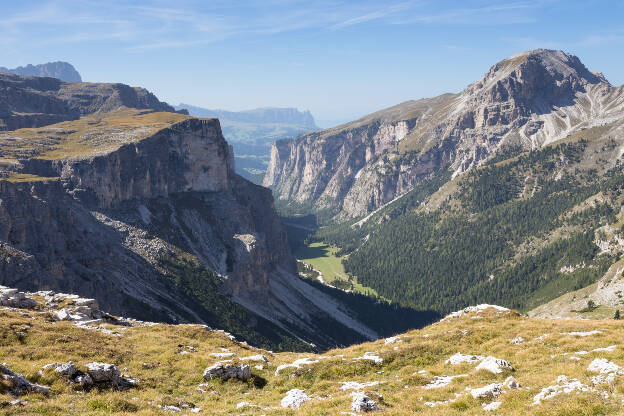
column 441, row 381
column 226, row 371
column 18, row 384
column 603, row 366
column 103, row 372
column 354, row 385
column 371, row 357
column 476, row 309
column 491, row 391
column 294, row 399
column 490, row 407
column 494, row 365
column 222, row 355
column 256, row 358
column 296, row 364
column 362, row 403
column 564, row 386
column 13, row 298
column 460, row 358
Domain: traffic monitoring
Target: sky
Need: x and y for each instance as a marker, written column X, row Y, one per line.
column 338, row 59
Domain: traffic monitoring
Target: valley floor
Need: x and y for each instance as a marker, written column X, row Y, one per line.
column 562, row 367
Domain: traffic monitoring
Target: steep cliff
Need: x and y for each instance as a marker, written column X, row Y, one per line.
column 38, row 101
column 143, row 212
column 526, row 101
column 252, row 133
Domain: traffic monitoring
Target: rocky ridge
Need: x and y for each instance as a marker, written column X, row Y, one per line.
column 526, row 101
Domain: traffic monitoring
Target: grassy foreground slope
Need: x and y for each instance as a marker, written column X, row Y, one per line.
column 166, row 377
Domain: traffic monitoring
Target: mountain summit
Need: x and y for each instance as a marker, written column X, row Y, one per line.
column 527, row 101
column 61, row 70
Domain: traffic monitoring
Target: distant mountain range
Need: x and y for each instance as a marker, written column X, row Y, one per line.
column 252, row 133
column 266, row 115
column 61, row 70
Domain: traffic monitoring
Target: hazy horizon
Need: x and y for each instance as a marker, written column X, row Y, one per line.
column 338, row 59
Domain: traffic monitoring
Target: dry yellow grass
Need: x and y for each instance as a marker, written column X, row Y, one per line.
column 151, row 354
column 91, row 135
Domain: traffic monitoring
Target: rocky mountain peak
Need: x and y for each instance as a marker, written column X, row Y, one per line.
column 60, row 70
column 535, row 78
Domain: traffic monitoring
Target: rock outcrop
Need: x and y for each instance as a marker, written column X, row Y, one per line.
column 526, row 101
column 16, row 384
column 226, row 371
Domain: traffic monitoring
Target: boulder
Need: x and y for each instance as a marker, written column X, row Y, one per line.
column 294, row 399
column 362, row 403
column 18, row 384
column 15, row 299
column 491, row 391
column 494, row 365
column 67, row 369
column 603, row 366
column 104, row 373
column 84, row 380
column 226, row 371
column 460, row 358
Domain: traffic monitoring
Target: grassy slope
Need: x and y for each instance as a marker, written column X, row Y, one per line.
column 88, row 136
column 167, row 378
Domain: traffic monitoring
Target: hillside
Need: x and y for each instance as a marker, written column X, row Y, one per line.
column 528, row 100
column 252, row 133
column 61, row 70
column 534, row 367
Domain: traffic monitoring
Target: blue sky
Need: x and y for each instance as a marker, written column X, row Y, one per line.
column 339, row 59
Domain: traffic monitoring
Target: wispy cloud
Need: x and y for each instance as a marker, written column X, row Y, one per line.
column 375, row 15
column 157, row 24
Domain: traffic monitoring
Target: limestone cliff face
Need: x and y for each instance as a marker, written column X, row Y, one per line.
column 528, row 100
column 190, row 156
column 106, row 225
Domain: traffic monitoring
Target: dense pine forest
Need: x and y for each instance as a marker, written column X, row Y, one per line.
column 510, row 233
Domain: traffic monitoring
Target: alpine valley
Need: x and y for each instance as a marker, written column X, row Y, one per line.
column 415, row 261
column 509, row 192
